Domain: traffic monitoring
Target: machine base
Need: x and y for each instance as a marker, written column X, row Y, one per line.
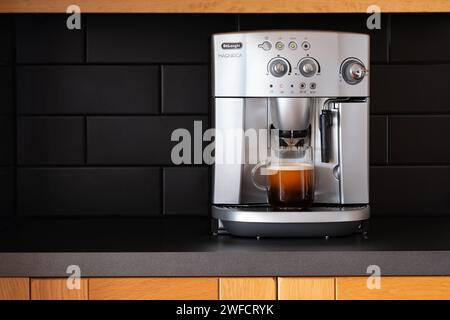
column 263, row 221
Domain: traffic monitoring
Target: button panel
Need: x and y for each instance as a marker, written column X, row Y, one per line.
column 291, row 63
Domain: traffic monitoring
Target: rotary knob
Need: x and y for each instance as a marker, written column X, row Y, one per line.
column 307, row 67
column 353, row 71
column 278, row 67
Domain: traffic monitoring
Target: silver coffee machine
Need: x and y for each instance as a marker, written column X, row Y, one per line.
column 312, row 85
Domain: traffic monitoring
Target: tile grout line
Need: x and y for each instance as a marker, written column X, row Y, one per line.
column 112, row 115
column 389, row 37
column 388, row 140
column 15, row 204
column 174, row 115
column 161, row 89
column 162, row 191
column 85, row 139
column 84, row 23
column 113, row 64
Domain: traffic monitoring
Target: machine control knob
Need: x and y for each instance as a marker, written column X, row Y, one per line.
column 278, row 67
column 308, row 67
column 353, row 71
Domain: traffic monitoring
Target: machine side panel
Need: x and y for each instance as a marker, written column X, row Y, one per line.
column 255, row 146
column 354, row 152
column 227, row 170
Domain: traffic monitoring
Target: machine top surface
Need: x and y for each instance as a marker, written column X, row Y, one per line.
column 292, row 63
column 289, row 31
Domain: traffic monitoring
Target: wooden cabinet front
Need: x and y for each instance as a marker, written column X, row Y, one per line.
column 306, row 288
column 393, row 288
column 153, row 288
column 14, row 289
column 228, row 288
column 241, row 288
column 58, row 289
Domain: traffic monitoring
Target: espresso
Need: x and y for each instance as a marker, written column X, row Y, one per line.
column 291, row 185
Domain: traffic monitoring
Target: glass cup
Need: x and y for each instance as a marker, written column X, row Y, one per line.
column 289, row 177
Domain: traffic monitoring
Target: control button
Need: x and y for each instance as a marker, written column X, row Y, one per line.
column 312, row 86
column 306, row 45
column 302, row 85
column 266, row 46
column 353, row 71
column 307, row 67
column 293, row 45
column 279, row 45
column 278, row 67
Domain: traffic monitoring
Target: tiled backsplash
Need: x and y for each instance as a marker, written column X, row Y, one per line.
column 86, row 115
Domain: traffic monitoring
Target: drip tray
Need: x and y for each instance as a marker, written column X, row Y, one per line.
column 317, row 221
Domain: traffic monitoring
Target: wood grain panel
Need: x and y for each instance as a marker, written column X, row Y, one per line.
column 153, row 288
column 306, row 288
column 225, row 6
column 394, row 288
column 56, row 289
column 14, row 289
column 248, row 288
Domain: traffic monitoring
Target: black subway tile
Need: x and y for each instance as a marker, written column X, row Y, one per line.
column 6, row 140
column 185, row 89
column 88, row 89
column 45, row 38
column 6, row 39
column 89, row 191
column 186, row 191
column 50, row 140
column 156, row 38
column 136, row 140
column 6, row 191
column 6, row 90
column 420, row 139
column 410, row 191
column 336, row 22
column 410, row 89
column 378, row 139
column 420, row 37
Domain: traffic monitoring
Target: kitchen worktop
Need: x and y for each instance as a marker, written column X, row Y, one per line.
column 184, row 247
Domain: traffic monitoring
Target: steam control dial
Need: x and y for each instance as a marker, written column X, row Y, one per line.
column 353, row 71
column 308, row 67
column 278, row 67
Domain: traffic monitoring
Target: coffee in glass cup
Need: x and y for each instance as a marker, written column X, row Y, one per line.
column 290, row 185
column 289, row 178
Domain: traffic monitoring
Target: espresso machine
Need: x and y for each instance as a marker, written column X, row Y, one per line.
column 313, row 87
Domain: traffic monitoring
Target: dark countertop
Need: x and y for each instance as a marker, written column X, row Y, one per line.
column 184, row 247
